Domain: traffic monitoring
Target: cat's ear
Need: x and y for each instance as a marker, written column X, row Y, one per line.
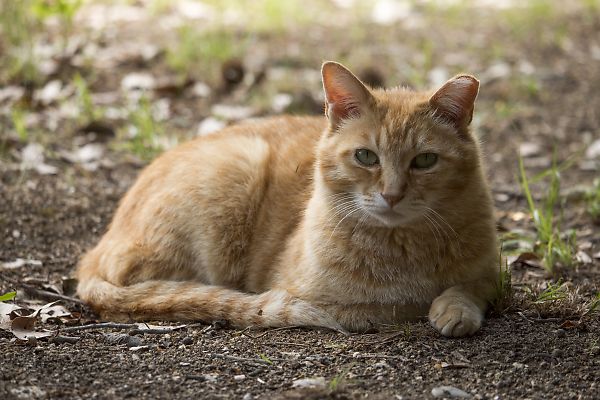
column 453, row 103
column 345, row 95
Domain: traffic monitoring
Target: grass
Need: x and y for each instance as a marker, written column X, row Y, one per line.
column 504, row 290
column 554, row 292
column 595, row 304
column 88, row 111
column 265, row 358
column 339, row 380
column 553, row 246
column 22, row 23
column 18, row 29
column 202, row 51
column 143, row 134
column 592, row 200
column 17, row 116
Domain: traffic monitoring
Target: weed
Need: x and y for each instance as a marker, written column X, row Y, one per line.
column 64, row 10
column 594, row 305
column 553, row 246
column 418, row 76
column 504, row 109
column 592, row 199
column 202, row 51
column 554, row 292
column 338, row 381
column 265, row 358
column 504, row 291
column 407, row 330
column 144, row 131
column 18, row 120
column 88, row 111
column 21, row 23
column 17, row 28
column 8, row 296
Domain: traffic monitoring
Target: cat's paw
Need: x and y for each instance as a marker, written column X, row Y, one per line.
column 454, row 316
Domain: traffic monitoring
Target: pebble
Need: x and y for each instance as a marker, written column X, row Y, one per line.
column 133, row 341
column 449, row 391
column 557, row 353
column 560, row 333
column 318, row 382
column 120, row 338
column 239, row 377
column 187, row 340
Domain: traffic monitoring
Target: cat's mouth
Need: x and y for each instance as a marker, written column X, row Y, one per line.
column 389, row 217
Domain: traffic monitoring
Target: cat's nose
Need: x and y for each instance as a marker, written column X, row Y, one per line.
column 392, row 199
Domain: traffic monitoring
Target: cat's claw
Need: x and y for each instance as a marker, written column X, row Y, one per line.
column 455, row 317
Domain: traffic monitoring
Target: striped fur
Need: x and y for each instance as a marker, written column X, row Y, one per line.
column 273, row 222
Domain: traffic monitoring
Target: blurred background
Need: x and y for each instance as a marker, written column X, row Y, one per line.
column 90, row 91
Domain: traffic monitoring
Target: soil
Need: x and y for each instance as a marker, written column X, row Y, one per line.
column 526, row 348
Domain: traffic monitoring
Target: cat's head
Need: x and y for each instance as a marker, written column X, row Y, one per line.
column 390, row 156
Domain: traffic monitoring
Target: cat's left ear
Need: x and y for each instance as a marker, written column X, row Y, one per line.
column 453, row 103
column 345, row 94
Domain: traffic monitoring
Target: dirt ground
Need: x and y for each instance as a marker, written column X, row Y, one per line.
column 540, row 73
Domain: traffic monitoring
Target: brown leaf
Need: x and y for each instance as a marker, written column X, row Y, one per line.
column 6, row 309
column 568, row 324
column 529, row 259
column 23, row 328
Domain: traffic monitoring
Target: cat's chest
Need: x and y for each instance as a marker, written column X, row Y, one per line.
column 370, row 269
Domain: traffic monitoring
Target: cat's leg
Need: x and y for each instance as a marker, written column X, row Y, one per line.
column 460, row 309
column 364, row 317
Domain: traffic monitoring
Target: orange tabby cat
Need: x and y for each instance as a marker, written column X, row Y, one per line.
column 377, row 215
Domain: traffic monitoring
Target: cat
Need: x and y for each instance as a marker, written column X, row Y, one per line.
column 377, row 214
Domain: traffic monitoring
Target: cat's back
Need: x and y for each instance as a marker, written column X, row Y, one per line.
column 225, row 191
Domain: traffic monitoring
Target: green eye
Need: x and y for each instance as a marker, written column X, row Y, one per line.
column 366, row 157
column 424, row 161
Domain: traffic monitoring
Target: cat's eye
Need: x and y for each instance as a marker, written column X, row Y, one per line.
column 366, row 157
column 424, row 161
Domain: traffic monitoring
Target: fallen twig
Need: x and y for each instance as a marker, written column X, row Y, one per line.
column 151, row 331
column 43, row 294
column 291, row 344
column 64, row 339
column 102, row 325
column 265, row 333
column 254, row 361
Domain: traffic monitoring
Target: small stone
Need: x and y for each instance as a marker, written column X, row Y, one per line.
column 560, row 333
column 247, row 396
column 518, row 365
column 557, row 353
column 187, row 341
column 593, row 150
column 529, row 149
column 318, row 382
column 239, row 377
column 449, row 391
column 133, row 341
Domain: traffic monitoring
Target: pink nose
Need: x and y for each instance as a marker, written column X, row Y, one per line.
column 392, row 199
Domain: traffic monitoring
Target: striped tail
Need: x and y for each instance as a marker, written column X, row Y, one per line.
column 178, row 301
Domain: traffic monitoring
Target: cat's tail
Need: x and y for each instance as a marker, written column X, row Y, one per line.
column 179, row 301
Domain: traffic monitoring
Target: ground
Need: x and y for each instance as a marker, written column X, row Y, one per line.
column 103, row 94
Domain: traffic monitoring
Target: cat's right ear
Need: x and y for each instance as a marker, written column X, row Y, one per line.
column 345, row 95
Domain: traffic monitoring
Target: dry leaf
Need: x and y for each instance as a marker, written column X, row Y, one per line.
column 6, row 309
column 23, row 328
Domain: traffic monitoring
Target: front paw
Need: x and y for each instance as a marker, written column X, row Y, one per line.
column 455, row 316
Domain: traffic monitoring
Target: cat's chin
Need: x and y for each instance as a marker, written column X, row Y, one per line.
column 388, row 219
